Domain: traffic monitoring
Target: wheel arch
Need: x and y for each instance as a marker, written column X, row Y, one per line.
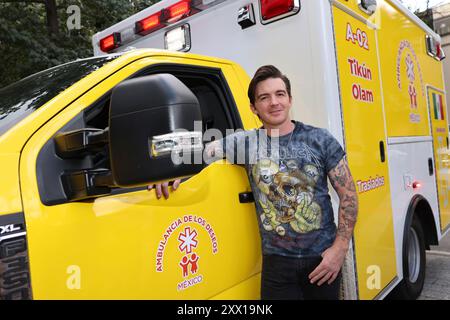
column 420, row 207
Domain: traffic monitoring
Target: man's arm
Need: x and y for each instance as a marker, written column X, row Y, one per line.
column 333, row 258
column 342, row 181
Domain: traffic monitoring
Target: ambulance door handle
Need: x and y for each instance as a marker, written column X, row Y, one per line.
column 430, row 167
column 246, row 197
column 447, row 142
column 382, row 155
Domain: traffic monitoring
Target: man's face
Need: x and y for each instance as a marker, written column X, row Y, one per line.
column 272, row 102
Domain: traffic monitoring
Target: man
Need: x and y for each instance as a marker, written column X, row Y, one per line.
column 303, row 252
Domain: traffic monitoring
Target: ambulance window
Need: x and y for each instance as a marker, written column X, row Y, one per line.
column 21, row 98
column 209, row 85
column 217, row 104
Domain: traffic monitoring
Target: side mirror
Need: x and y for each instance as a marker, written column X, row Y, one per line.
column 146, row 115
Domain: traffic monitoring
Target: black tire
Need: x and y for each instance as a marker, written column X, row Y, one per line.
column 413, row 271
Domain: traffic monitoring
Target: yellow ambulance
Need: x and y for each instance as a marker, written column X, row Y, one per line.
column 370, row 72
column 79, row 143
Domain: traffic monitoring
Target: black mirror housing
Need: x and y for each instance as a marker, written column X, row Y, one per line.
column 146, row 114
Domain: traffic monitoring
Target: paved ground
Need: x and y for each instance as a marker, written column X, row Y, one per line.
column 437, row 279
column 444, row 244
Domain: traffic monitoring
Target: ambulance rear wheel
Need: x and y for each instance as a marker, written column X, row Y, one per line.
column 414, row 261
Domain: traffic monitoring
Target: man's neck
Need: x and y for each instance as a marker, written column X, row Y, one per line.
column 281, row 130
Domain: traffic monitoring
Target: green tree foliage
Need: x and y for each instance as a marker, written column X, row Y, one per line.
column 34, row 35
column 422, row 9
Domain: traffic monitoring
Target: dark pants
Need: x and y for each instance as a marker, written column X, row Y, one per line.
column 285, row 278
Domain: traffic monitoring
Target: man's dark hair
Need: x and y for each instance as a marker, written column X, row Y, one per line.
column 264, row 73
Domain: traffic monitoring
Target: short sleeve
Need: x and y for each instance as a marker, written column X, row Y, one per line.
column 332, row 151
column 238, row 148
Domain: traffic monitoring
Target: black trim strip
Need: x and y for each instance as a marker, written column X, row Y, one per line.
column 388, row 288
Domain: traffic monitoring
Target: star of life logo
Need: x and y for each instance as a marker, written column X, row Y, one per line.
column 410, row 69
column 188, row 240
column 414, row 76
column 411, row 77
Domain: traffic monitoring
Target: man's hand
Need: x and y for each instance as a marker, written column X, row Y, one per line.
column 163, row 188
column 213, row 152
column 331, row 264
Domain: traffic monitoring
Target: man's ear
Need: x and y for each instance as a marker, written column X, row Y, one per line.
column 252, row 107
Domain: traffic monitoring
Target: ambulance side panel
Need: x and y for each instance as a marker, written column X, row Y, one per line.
column 415, row 98
column 414, row 101
column 415, row 117
column 365, row 140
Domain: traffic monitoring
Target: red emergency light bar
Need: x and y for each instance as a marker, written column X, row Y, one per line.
column 434, row 48
column 275, row 8
column 110, row 42
column 440, row 52
column 162, row 18
column 149, row 24
column 179, row 9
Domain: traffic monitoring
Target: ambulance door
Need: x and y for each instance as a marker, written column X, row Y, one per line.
column 127, row 244
column 439, row 122
column 365, row 142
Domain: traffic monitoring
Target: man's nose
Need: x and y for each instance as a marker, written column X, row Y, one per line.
column 274, row 100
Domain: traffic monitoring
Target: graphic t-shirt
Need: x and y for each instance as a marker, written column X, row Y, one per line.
column 288, row 176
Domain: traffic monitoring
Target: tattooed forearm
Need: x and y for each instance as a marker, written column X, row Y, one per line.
column 348, row 210
column 342, row 181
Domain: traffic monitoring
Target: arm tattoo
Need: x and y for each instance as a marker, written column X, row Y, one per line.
column 342, row 181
